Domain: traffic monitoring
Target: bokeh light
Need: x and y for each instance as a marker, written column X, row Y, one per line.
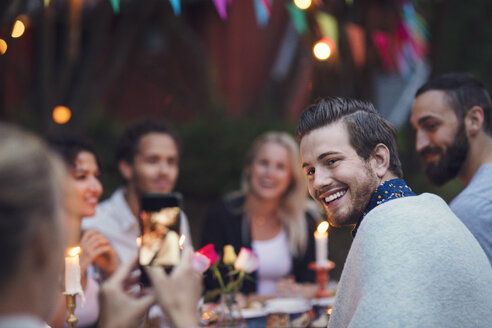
column 3, row 46
column 303, row 4
column 18, row 29
column 61, row 114
column 322, row 49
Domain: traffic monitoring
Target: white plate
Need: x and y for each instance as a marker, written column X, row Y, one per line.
column 287, row 305
column 253, row 313
column 326, row 301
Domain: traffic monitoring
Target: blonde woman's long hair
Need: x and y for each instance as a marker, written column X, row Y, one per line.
column 293, row 204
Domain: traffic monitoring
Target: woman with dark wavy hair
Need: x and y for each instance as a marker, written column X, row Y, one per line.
column 82, row 192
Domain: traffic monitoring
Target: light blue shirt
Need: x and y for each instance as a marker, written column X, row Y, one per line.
column 474, row 207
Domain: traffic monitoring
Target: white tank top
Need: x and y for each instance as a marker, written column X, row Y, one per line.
column 275, row 262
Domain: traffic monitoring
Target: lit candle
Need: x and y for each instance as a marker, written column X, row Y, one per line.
column 321, row 238
column 72, row 272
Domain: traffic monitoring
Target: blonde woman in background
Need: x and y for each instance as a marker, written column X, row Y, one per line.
column 271, row 215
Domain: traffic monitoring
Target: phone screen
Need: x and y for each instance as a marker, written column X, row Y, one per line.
column 159, row 224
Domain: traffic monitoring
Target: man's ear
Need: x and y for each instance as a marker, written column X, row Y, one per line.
column 474, row 120
column 125, row 169
column 380, row 160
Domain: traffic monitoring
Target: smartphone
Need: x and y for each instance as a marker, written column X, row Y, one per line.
column 159, row 243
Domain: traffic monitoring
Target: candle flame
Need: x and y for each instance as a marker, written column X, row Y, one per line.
column 323, row 227
column 181, row 241
column 73, row 251
column 139, row 241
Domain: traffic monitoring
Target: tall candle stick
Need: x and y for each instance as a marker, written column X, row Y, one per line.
column 321, row 238
column 72, row 272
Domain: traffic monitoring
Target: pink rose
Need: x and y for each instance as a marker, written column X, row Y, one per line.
column 200, row 262
column 209, row 252
column 246, row 261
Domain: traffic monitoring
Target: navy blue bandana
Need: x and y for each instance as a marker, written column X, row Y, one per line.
column 388, row 190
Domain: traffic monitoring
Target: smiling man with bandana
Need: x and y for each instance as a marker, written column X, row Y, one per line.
column 412, row 262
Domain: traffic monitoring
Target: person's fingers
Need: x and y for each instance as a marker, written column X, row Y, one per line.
column 124, row 270
column 145, row 301
column 95, row 241
column 88, row 235
column 186, row 256
column 131, row 281
column 185, row 262
column 157, row 276
column 103, row 250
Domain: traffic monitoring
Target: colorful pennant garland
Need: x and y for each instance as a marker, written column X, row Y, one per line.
column 400, row 49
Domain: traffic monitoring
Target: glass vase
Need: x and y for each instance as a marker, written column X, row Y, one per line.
column 230, row 312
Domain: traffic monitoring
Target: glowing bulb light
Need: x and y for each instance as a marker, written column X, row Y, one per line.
column 3, row 46
column 323, row 48
column 303, row 4
column 18, row 29
column 61, row 114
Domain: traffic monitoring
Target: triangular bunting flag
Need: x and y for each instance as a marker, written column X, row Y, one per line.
column 356, row 39
column 116, row 5
column 262, row 9
column 176, row 4
column 298, row 18
column 267, row 5
column 381, row 40
column 221, row 8
column 328, row 26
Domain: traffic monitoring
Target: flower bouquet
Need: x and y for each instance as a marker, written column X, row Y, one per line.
column 238, row 268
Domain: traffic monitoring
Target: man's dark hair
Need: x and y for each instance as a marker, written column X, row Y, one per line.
column 463, row 91
column 69, row 146
column 129, row 141
column 366, row 127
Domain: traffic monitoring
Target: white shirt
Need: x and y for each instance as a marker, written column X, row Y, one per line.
column 116, row 222
column 275, row 262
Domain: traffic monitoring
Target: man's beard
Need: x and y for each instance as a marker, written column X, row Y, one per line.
column 451, row 161
column 360, row 193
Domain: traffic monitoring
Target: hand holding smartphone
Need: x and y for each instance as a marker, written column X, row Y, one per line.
column 160, row 228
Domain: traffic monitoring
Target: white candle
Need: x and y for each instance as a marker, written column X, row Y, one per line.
column 72, row 272
column 321, row 239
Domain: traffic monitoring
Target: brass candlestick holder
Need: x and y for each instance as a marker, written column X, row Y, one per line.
column 71, row 305
column 322, row 277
